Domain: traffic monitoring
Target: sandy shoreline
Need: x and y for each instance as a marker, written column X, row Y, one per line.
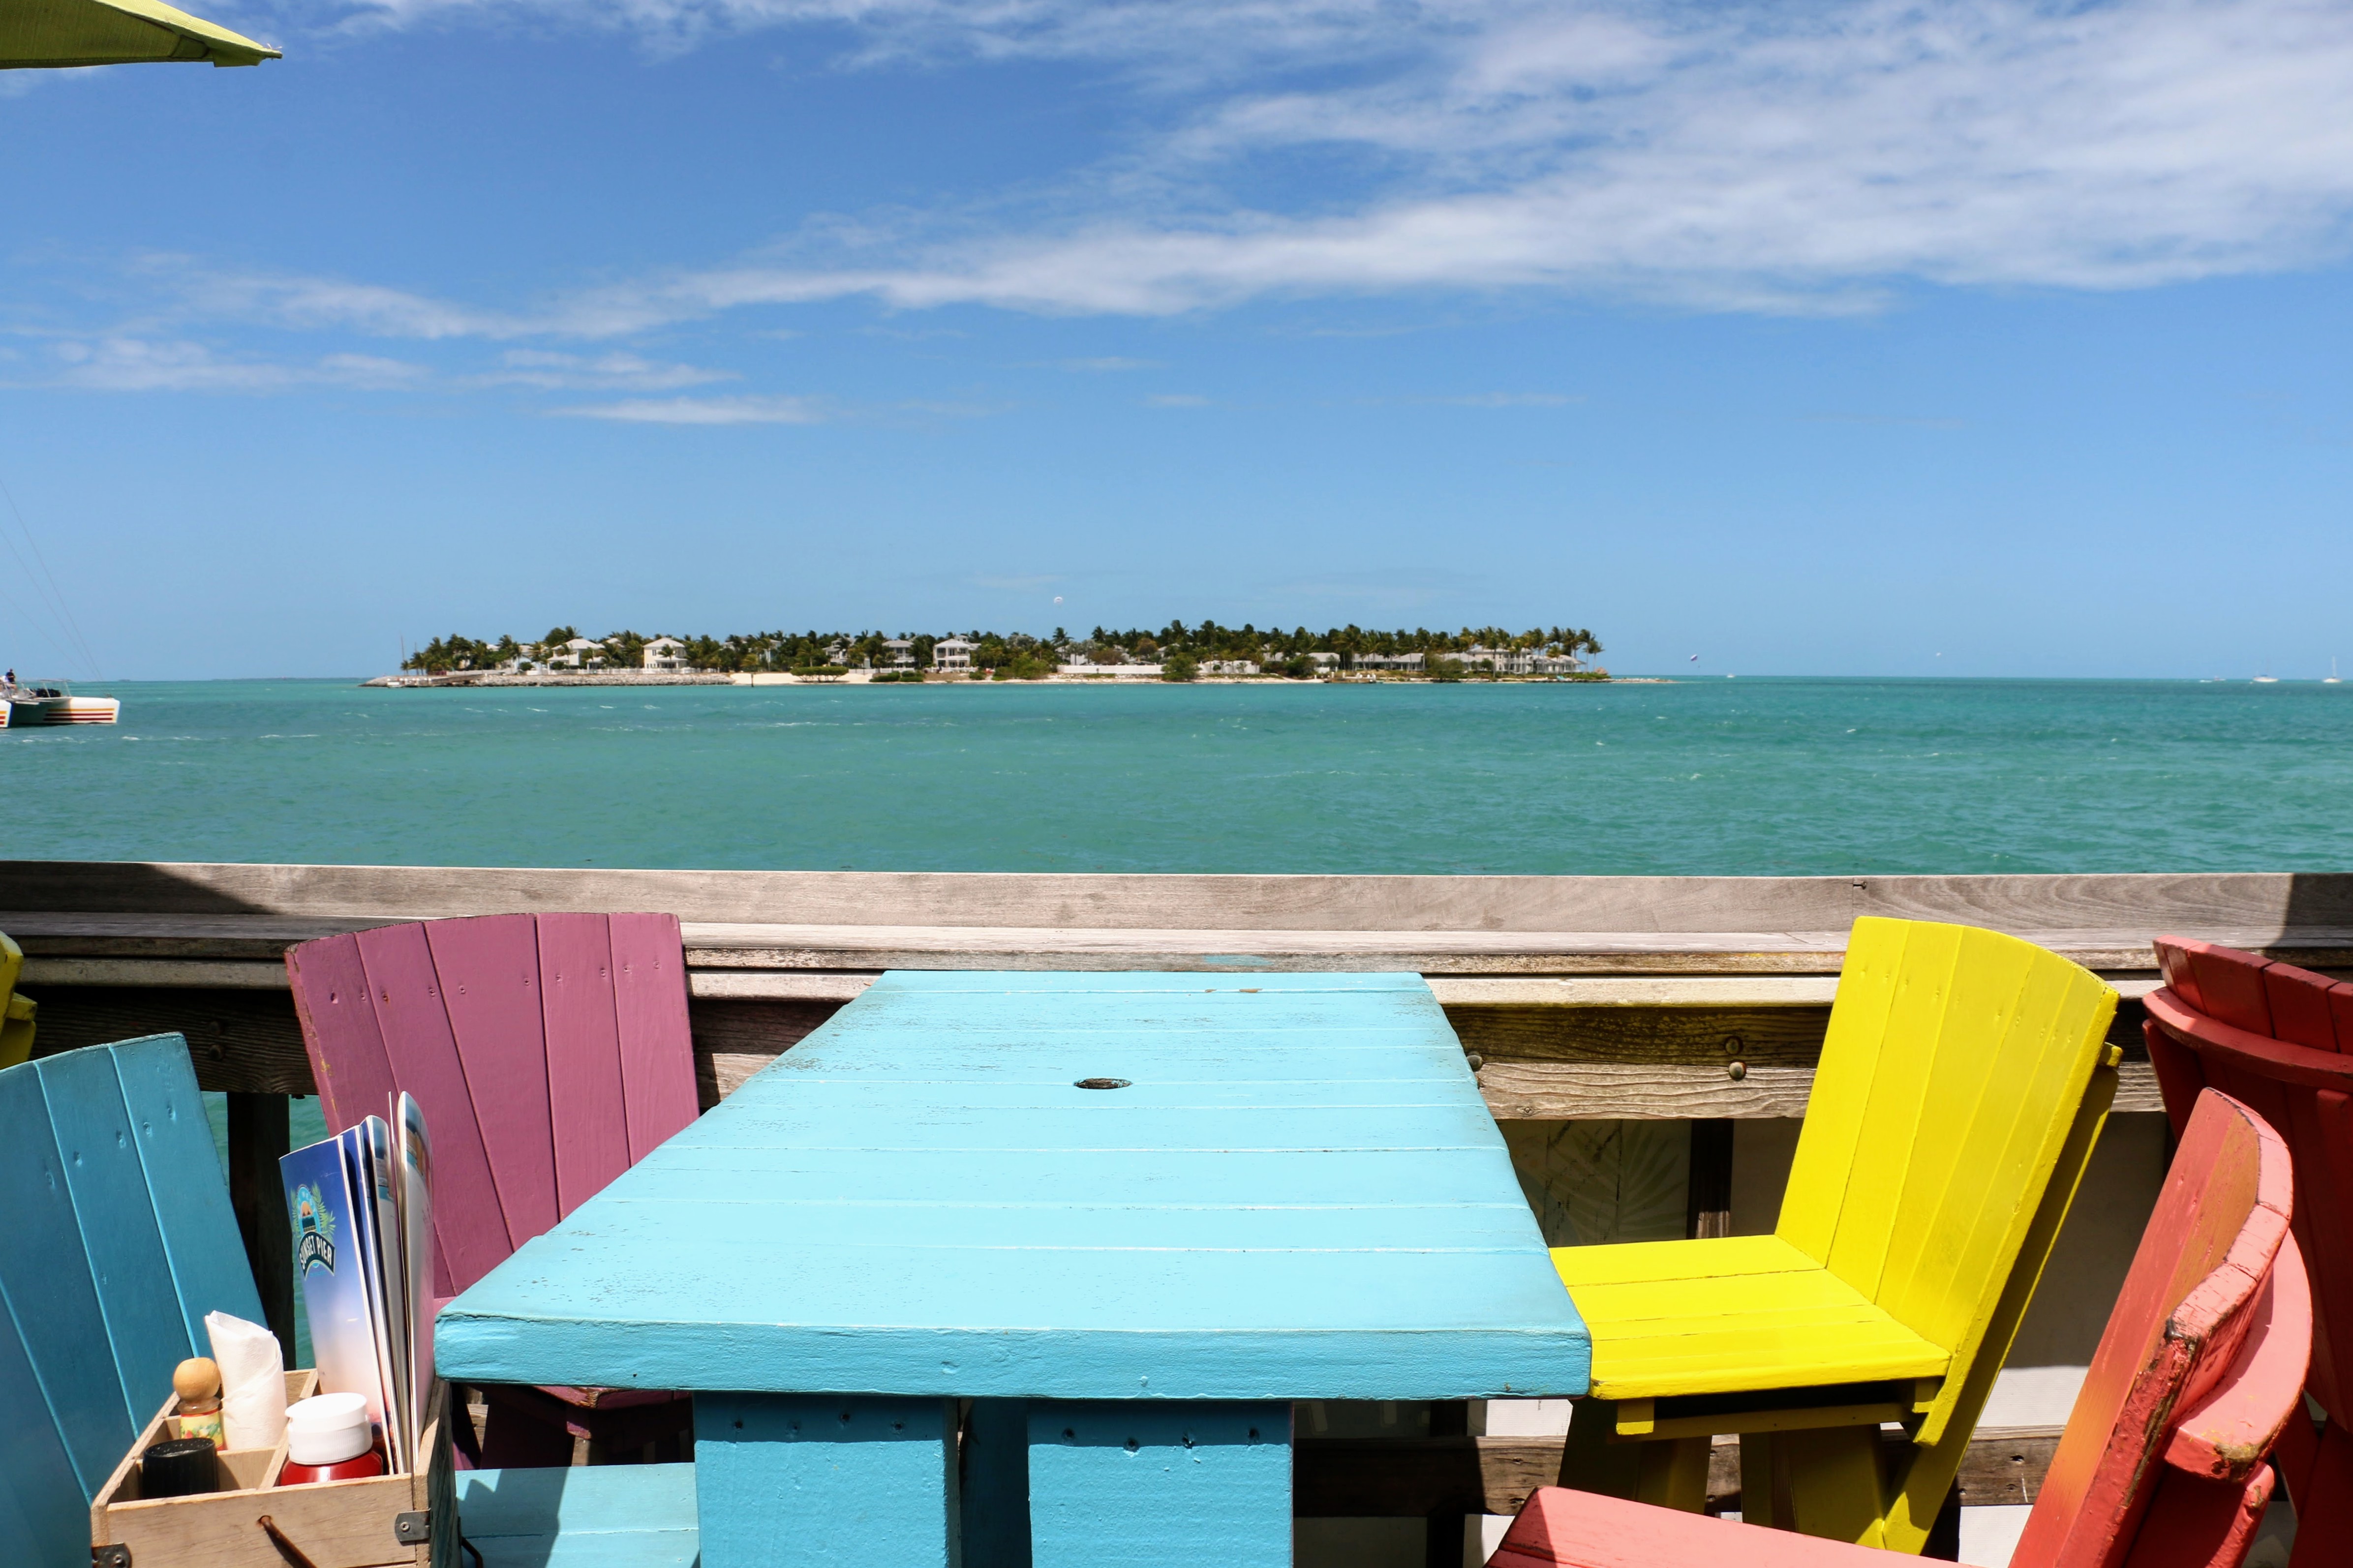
column 474, row 679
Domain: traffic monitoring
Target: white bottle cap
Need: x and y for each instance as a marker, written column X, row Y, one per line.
column 327, row 1429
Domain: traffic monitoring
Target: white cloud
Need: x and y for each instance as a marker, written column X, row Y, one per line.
column 748, row 410
column 1196, row 39
column 1741, row 157
column 1731, row 158
column 142, row 365
column 550, row 371
column 297, row 301
column 1737, row 159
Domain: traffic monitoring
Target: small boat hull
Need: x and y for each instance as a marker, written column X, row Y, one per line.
column 26, row 711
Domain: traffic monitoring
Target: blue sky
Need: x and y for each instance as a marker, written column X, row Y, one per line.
column 1846, row 339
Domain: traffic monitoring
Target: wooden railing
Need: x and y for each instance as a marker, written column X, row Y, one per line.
column 1579, row 998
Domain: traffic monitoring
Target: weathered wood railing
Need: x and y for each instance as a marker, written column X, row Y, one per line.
column 1582, row 998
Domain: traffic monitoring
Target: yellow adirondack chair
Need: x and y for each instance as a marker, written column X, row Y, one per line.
column 1963, row 1082
column 16, row 1012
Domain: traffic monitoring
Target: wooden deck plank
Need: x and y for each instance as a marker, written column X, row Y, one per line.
column 249, row 1042
column 1634, row 994
column 2242, row 902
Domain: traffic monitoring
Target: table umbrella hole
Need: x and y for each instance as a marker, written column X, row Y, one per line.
column 1101, row 1083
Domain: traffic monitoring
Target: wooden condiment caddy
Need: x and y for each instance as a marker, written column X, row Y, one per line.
column 408, row 1520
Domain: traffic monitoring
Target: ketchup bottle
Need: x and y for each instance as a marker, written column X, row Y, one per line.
column 329, row 1438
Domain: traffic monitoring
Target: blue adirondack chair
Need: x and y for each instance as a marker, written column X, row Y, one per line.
column 116, row 1238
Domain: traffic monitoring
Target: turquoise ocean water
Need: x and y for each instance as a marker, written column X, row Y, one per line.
column 1748, row 776
column 1772, row 776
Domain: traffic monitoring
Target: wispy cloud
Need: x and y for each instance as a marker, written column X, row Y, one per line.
column 748, row 410
column 142, row 365
column 1177, row 400
column 554, row 372
column 1740, row 158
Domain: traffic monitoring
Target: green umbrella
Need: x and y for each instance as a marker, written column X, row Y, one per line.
column 46, row 33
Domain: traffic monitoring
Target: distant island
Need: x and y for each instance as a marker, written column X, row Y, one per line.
column 1176, row 652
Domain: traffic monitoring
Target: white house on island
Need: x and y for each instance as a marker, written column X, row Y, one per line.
column 1501, row 660
column 665, row 653
column 952, row 652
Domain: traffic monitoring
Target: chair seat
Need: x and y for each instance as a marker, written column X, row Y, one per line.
column 1580, row 1529
column 1731, row 1315
column 608, row 1516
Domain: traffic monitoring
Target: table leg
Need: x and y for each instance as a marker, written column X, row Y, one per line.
column 994, row 1484
column 792, row 1480
column 1141, row 1484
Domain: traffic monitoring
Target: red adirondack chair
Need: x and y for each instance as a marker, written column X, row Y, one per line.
column 2162, row 1464
column 2281, row 1038
column 550, row 1053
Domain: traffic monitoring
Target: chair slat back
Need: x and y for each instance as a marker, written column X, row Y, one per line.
column 548, row 1053
column 340, row 1032
column 489, row 972
column 2200, row 1282
column 583, row 1055
column 2295, row 1076
column 42, row 1501
column 199, row 1229
column 52, row 1295
column 650, row 999
column 119, row 1240
column 412, row 1010
column 1956, row 1062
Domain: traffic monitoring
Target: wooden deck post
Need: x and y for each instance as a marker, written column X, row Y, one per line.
column 994, row 1484
column 1707, row 1206
column 1442, row 1540
column 257, row 1136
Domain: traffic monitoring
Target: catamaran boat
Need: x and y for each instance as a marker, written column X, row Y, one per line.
column 51, row 703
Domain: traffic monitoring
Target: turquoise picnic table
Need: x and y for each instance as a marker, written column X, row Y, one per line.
column 1028, row 1268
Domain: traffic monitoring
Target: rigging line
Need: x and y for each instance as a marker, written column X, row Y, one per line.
column 57, row 595
column 65, row 632
column 43, row 617
column 63, row 609
column 46, row 637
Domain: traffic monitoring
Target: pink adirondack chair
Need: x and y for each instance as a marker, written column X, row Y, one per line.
column 550, row 1053
column 2281, row 1038
column 2162, row 1463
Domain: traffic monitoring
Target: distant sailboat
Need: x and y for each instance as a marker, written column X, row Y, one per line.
column 2331, row 679
column 2267, row 680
